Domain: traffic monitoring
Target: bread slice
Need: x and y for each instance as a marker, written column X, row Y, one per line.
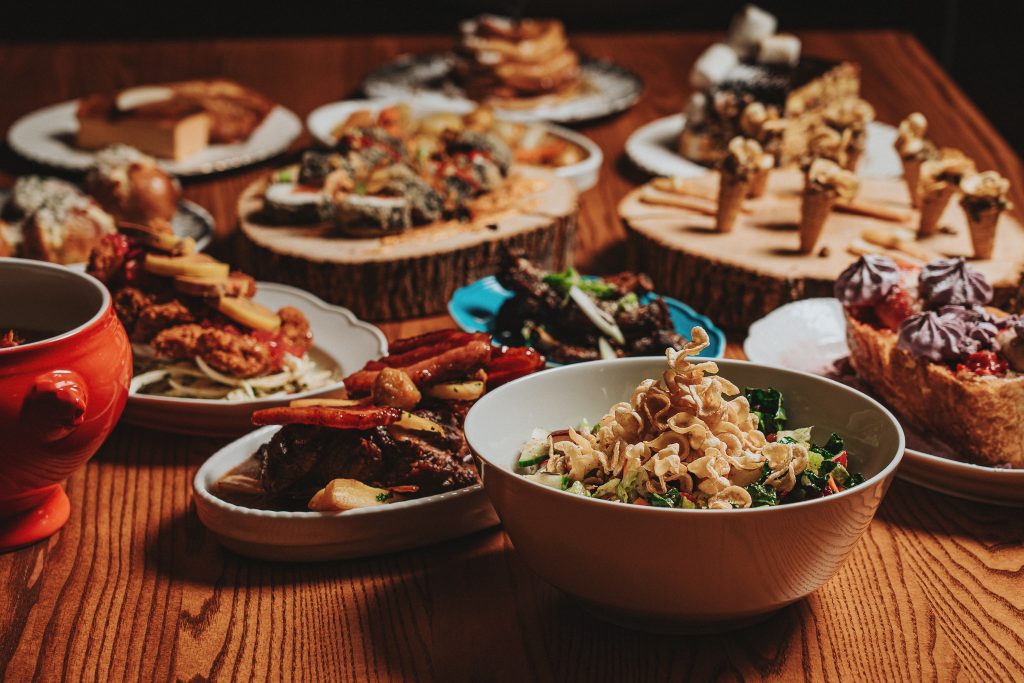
column 981, row 417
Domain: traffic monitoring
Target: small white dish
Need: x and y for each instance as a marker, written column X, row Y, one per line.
column 607, row 88
column 46, row 136
column 653, row 149
column 810, row 335
column 340, row 340
column 313, row 536
column 323, row 120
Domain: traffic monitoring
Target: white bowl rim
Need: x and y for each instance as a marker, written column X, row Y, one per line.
column 885, row 472
column 202, row 491
column 313, row 301
column 81, row 275
column 592, row 162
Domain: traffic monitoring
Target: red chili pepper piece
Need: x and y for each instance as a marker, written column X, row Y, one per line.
column 324, row 416
column 841, row 459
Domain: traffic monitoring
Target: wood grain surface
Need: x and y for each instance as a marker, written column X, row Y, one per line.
column 133, row 588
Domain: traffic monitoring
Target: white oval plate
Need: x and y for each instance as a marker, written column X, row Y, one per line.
column 810, row 335
column 46, row 136
column 312, row 536
column 609, row 88
column 190, row 220
column 340, row 340
column 652, row 148
column 323, row 120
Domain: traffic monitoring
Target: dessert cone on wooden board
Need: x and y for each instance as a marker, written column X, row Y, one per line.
column 914, row 149
column 826, row 182
column 823, row 143
column 984, row 200
column 850, row 117
column 939, row 181
column 739, row 168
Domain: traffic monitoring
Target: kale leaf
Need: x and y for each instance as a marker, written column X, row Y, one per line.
column 762, row 495
column 669, row 500
column 767, row 405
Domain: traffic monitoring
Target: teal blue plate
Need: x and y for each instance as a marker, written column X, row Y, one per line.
column 475, row 306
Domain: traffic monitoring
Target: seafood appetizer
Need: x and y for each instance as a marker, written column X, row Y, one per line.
column 571, row 318
column 195, row 330
column 681, row 442
column 926, row 341
column 398, row 435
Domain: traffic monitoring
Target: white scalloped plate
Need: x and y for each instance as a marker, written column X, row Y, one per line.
column 46, row 136
column 313, row 536
column 323, row 120
column 810, row 335
column 341, row 341
column 652, row 148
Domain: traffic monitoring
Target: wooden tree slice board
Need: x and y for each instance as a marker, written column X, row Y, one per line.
column 415, row 273
column 740, row 276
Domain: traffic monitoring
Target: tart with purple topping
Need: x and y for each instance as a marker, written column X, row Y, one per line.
column 926, row 341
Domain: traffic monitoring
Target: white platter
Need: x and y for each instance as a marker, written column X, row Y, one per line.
column 322, row 121
column 810, row 335
column 608, row 88
column 652, row 148
column 46, row 136
column 312, row 536
column 340, row 340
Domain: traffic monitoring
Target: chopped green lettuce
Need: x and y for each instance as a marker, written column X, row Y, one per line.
column 767, row 405
column 762, row 495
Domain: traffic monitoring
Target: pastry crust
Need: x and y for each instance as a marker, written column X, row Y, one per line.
column 981, row 417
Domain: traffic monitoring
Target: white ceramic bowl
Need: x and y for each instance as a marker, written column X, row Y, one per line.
column 322, row 121
column 671, row 570
column 318, row 536
column 340, row 340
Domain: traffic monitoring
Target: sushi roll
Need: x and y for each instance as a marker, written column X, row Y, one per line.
column 371, row 216
column 293, row 204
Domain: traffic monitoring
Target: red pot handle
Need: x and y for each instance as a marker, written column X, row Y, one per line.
column 55, row 407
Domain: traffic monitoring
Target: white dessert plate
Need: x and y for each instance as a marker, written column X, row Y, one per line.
column 312, row 536
column 190, row 220
column 47, row 136
column 810, row 335
column 322, row 121
column 341, row 341
column 606, row 88
column 652, row 148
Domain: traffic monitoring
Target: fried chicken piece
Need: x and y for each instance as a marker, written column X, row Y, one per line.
column 129, row 303
column 180, row 342
column 295, row 330
column 156, row 317
column 234, row 354
column 107, row 258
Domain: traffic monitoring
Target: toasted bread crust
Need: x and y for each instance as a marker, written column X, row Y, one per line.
column 981, row 417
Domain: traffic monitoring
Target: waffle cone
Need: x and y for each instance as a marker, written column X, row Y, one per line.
column 731, row 193
column 758, row 184
column 983, row 231
column 912, row 173
column 813, row 214
column 932, row 206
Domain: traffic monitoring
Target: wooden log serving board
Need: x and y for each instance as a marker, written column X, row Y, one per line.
column 415, row 273
column 740, row 276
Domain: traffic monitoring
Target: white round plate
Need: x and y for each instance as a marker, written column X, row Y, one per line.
column 340, row 340
column 323, row 120
column 652, row 148
column 312, row 536
column 47, row 137
column 810, row 335
column 607, row 88
column 190, row 220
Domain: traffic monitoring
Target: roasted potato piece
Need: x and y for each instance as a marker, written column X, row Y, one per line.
column 348, row 494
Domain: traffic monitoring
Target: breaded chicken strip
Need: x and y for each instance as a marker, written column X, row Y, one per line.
column 295, row 331
column 156, row 317
column 180, row 342
column 234, row 354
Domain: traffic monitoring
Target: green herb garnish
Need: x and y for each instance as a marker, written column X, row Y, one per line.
column 569, row 278
column 384, row 496
column 767, row 405
column 762, row 495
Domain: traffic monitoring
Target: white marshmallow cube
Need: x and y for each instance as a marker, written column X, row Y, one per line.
column 780, row 50
column 748, row 28
column 713, row 65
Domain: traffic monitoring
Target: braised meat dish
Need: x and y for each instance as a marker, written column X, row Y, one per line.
column 398, row 435
column 571, row 318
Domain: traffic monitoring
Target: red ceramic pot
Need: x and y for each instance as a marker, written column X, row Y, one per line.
column 60, row 393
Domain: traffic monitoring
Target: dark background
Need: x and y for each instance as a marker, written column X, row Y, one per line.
column 977, row 41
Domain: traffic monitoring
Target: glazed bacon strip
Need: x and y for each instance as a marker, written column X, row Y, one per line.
column 448, row 364
column 429, row 350
column 322, row 416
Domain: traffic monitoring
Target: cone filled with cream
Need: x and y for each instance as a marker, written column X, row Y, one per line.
column 741, row 165
column 914, row 149
column 984, row 201
column 850, row 117
column 826, row 182
column 939, row 181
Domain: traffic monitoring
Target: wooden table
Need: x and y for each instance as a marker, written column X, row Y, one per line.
column 134, row 587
